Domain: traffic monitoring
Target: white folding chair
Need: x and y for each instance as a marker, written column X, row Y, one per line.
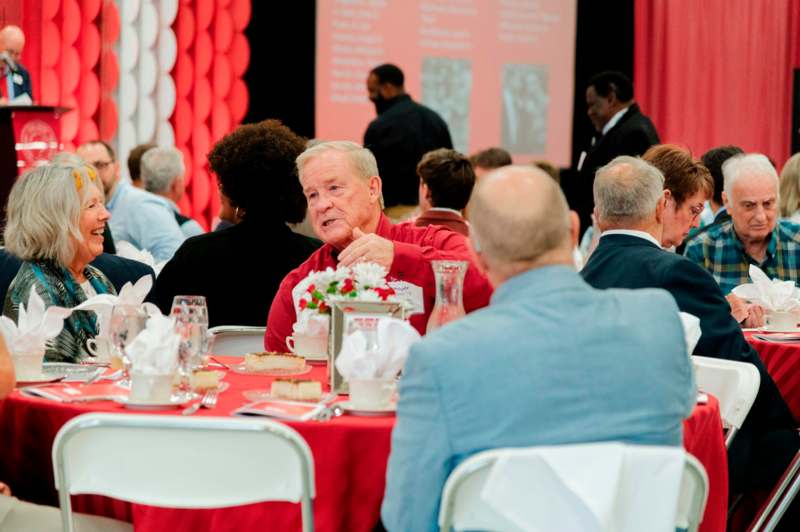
column 237, row 340
column 779, row 500
column 174, row 462
column 462, row 507
column 734, row 384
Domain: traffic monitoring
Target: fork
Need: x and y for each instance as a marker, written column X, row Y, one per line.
column 209, row 400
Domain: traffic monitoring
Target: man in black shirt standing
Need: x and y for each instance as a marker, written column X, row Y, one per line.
column 400, row 135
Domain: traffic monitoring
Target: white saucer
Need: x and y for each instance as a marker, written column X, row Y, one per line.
column 176, row 401
column 315, row 359
column 44, row 378
column 388, row 411
column 787, row 330
column 241, row 369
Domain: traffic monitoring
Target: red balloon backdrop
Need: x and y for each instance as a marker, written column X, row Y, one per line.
column 71, row 56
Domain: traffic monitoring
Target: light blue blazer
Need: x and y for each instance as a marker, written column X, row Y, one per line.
column 550, row 361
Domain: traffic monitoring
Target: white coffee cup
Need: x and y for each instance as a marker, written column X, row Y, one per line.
column 307, row 345
column 371, row 394
column 28, row 366
column 150, row 387
column 100, row 348
column 781, row 321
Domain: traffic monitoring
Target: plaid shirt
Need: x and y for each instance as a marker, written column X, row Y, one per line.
column 720, row 251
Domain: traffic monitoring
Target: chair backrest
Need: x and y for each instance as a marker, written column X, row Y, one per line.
column 465, row 506
column 182, row 462
column 734, row 384
column 236, row 340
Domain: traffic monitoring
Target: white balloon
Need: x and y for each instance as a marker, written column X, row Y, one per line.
column 167, row 49
column 128, row 96
column 148, row 24
column 148, row 71
column 129, row 11
column 128, row 48
column 167, row 11
column 146, row 120
column 165, row 96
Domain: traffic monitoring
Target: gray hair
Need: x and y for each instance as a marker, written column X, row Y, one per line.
column 627, row 190
column 44, row 212
column 361, row 159
column 746, row 164
column 509, row 233
column 159, row 168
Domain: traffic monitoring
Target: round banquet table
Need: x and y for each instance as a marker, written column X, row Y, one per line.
column 350, row 457
column 783, row 364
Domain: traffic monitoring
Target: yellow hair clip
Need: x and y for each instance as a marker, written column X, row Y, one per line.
column 79, row 179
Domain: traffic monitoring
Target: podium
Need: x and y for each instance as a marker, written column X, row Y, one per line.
column 29, row 136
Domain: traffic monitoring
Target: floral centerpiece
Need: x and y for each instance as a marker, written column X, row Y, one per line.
column 314, row 295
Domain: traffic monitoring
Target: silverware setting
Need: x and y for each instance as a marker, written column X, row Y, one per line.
column 329, row 412
column 209, row 400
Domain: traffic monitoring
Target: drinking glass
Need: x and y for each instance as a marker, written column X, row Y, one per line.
column 127, row 321
column 191, row 323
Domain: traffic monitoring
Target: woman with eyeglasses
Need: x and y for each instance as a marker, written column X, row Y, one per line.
column 687, row 186
column 55, row 222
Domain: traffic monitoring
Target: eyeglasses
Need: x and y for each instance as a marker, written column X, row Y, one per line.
column 102, row 165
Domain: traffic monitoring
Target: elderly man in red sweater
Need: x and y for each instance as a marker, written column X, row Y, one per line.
column 341, row 184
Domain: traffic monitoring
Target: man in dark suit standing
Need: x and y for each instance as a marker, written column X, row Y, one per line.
column 401, row 134
column 621, row 129
column 629, row 205
column 16, row 80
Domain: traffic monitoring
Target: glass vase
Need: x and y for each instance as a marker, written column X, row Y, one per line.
column 449, row 304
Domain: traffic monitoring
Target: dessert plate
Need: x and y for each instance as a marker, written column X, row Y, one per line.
column 176, row 401
column 241, row 369
column 349, row 408
column 261, row 395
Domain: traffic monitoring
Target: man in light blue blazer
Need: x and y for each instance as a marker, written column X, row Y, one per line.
column 550, row 361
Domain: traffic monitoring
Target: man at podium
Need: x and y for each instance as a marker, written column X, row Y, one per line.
column 15, row 82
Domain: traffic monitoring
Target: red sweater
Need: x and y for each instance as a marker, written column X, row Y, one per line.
column 414, row 249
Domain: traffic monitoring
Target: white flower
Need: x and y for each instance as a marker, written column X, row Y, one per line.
column 369, row 274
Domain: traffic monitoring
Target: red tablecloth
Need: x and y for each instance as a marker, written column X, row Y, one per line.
column 783, row 364
column 350, row 455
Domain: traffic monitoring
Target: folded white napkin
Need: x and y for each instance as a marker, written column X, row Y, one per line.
column 312, row 323
column 691, row 330
column 155, row 349
column 129, row 251
column 394, row 339
column 35, row 326
column 587, row 488
column 775, row 295
column 130, row 294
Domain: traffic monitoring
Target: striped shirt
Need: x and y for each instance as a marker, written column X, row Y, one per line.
column 721, row 252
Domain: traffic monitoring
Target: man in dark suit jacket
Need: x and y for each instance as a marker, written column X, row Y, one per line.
column 629, row 256
column 621, row 129
column 401, row 134
column 119, row 271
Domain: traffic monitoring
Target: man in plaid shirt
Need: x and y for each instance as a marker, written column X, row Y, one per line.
column 753, row 235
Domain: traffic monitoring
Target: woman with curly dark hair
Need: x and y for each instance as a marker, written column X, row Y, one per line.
column 238, row 269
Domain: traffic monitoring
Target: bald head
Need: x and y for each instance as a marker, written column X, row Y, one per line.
column 12, row 41
column 520, row 220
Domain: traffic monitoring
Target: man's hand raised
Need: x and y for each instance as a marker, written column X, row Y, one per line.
column 368, row 248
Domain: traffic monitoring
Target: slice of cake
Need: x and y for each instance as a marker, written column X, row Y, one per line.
column 205, row 380
column 297, row 389
column 268, row 361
